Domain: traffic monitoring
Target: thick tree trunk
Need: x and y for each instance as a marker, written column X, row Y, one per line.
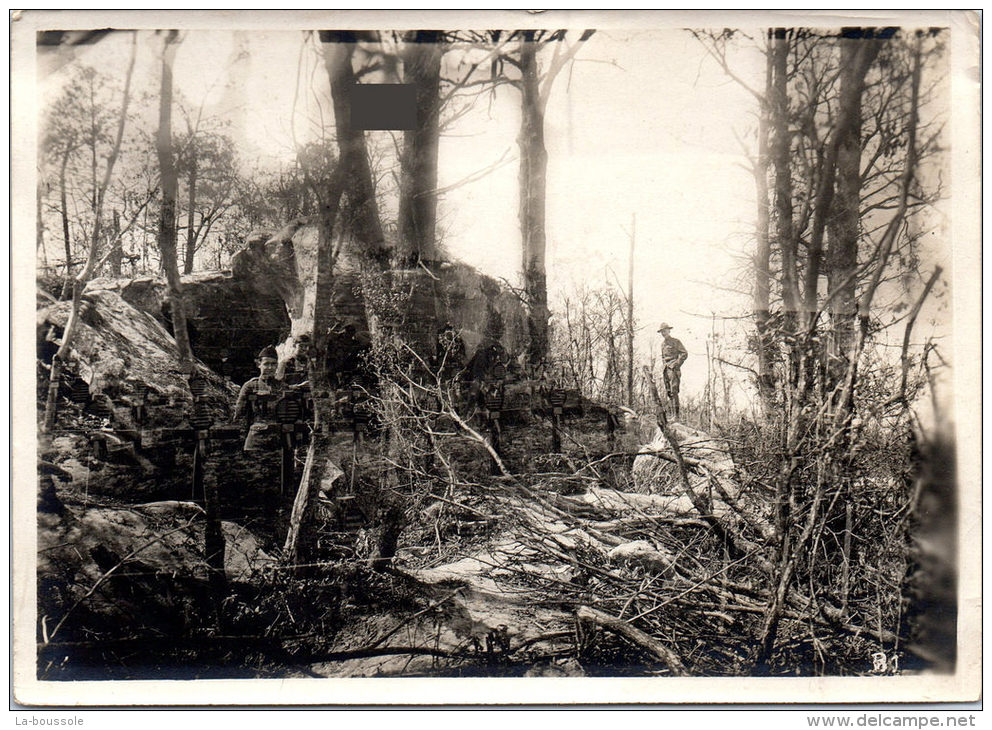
column 167, row 233
column 844, row 231
column 532, row 206
column 361, row 216
column 418, row 163
column 191, row 231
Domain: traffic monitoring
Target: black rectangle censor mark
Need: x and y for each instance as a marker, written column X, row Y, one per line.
column 383, row 106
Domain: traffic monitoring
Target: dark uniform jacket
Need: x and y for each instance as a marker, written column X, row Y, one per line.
column 256, row 409
column 254, row 405
column 673, row 353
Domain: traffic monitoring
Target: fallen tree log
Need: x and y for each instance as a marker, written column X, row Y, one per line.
column 622, row 523
column 614, row 501
column 644, row 555
column 635, row 636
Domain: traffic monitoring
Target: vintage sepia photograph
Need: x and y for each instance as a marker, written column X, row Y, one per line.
column 450, row 345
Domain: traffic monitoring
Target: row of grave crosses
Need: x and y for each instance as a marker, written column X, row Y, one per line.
column 550, row 402
column 290, row 412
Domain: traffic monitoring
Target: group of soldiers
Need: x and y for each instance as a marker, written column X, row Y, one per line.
column 254, row 404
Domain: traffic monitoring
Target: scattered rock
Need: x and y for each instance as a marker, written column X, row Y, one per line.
column 133, row 568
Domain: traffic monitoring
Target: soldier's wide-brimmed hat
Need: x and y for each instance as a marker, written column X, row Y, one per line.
column 664, row 326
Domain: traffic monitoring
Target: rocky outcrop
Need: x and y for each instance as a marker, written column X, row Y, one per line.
column 412, row 302
column 229, row 320
column 269, row 294
column 469, row 300
column 121, row 351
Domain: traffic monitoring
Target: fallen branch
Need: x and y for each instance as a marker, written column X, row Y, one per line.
column 647, row 521
column 634, row 636
column 460, row 505
column 257, row 642
column 410, row 618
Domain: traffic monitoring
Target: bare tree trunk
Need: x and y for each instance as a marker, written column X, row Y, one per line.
column 762, row 256
column 611, row 376
column 781, row 145
column 64, row 205
column 214, row 543
column 144, row 241
column 79, row 283
column 40, row 224
column 167, row 233
column 630, row 313
column 418, row 163
column 856, row 59
column 116, row 247
column 93, row 138
column 337, row 62
column 781, row 161
column 892, row 229
column 533, row 189
column 845, row 229
column 191, row 231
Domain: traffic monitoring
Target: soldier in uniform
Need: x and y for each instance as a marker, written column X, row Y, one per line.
column 256, row 402
column 673, row 354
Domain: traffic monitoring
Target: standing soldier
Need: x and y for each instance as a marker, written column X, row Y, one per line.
column 255, row 407
column 673, row 354
column 255, row 412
